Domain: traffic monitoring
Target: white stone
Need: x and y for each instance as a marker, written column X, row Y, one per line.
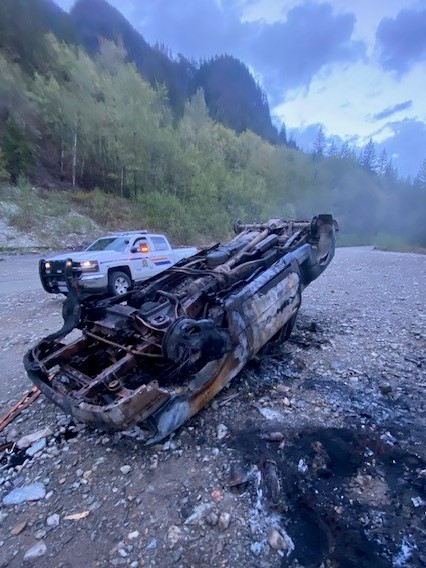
column 36, row 551
column 26, row 441
column 224, row 520
column 174, row 534
column 222, row 431
column 53, row 520
column 276, row 541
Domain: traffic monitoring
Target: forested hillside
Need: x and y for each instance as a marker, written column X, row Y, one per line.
column 72, row 119
column 232, row 95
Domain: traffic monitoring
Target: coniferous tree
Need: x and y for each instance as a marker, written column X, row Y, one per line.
column 391, row 172
column 368, row 157
column 347, row 153
column 382, row 163
column 420, row 180
column 282, row 135
column 319, row 143
column 292, row 143
column 332, row 149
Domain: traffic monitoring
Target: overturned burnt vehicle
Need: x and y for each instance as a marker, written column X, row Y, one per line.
column 156, row 355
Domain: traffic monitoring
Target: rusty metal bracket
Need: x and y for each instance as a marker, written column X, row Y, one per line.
column 23, row 403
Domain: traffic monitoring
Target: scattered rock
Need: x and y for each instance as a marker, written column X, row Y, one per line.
column 385, row 388
column 36, row 551
column 222, row 431
column 198, row 513
column 256, row 548
column 29, row 439
column 31, row 492
column 224, row 520
column 388, row 439
column 270, row 413
column 53, row 520
column 418, row 501
column 237, row 475
column 17, row 529
column 127, row 502
column 174, row 534
column 280, row 540
column 276, row 540
column 125, row 469
column 151, row 544
column 12, row 435
column 36, row 447
column 302, row 466
column 212, row 519
column 216, row 495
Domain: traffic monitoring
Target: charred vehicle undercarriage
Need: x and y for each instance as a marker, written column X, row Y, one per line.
column 158, row 354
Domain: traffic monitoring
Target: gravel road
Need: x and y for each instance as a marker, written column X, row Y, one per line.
column 19, row 274
column 315, row 456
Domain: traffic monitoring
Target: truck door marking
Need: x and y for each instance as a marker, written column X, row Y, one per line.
column 160, row 261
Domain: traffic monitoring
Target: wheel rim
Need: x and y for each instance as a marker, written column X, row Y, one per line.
column 121, row 285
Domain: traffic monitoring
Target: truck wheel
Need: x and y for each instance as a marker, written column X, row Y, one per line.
column 118, row 283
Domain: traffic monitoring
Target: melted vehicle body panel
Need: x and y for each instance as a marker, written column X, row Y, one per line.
column 161, row 352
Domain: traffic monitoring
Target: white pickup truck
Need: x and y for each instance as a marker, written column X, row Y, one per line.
column 112, row 264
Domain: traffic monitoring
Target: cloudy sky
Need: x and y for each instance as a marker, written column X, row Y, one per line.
column 357, row 67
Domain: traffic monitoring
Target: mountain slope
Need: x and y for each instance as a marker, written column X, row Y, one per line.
column 232, row 95
column 22, row 25
column 234, row 98
column 96, row 19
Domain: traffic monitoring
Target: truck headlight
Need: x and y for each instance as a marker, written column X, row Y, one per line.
column 47, row 265
column 89, row 266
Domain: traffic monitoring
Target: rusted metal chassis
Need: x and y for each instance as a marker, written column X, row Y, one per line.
column 257, row 311
column 254, row 315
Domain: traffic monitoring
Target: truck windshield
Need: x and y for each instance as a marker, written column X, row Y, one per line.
column 110, row 243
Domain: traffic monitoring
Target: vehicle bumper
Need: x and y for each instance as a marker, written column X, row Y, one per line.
column 93, row 282
column 58, row 283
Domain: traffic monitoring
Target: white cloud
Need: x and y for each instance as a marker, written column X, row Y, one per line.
column 347, row 99
column 267, row 36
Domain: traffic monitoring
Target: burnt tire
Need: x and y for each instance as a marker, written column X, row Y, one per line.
column 118, row 283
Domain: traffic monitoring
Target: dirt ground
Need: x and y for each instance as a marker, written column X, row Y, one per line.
column 314, row 457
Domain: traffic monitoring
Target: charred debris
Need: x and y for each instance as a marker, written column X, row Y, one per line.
column 156, row 355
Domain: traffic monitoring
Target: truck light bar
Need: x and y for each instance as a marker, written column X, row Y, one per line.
column 125, row 233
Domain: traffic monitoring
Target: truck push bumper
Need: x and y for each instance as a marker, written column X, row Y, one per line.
column 59, row 280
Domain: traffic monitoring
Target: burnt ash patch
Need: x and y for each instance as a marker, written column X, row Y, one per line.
column 346, row 496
